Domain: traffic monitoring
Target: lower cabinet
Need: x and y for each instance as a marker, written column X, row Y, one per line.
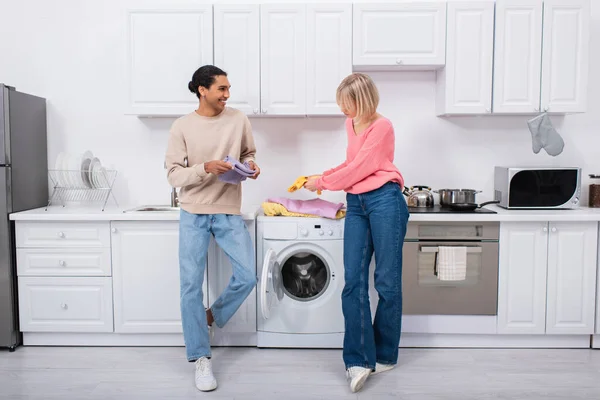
column 547, row 277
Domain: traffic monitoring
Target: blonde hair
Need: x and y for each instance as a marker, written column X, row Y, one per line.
column 358, row 90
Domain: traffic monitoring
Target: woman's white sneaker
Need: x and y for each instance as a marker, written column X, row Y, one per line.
column 382, row 368
column 358, row 376
column 205, row 380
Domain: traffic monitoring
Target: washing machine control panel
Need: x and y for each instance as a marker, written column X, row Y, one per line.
column 320, row 231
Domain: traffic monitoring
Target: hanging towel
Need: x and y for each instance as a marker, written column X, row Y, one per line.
column 239, row 172
column 451, row 263
column 313, row 207
column 276, row 210
column 299, row 184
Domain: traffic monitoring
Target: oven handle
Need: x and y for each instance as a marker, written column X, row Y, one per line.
column 432, row 249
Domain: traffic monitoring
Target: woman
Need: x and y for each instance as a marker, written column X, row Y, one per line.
column 376, row 221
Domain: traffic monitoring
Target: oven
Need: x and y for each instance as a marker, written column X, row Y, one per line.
column 424, row 293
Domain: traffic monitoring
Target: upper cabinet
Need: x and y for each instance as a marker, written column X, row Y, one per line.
column 237, row 51
column 165, row 46
column 328, row 55
column 518, row 49
column 565, row 56
column 541, row 56
column 464, row 86
column 283, row 63
column 411, row 34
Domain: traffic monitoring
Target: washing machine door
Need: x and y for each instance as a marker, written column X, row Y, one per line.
column 271, row 284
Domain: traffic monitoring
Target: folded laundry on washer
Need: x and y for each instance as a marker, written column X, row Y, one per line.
column 239, row 172
column 303, row 208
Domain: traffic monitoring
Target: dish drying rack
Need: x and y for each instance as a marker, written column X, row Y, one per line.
column 82, row 186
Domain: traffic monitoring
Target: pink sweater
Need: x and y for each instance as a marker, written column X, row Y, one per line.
column 369, row 161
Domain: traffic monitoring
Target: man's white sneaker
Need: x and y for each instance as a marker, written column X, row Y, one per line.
column 358, row 376
column 382, row 368
column 205, row 380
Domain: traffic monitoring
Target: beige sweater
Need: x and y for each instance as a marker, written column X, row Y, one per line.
column 203, row 139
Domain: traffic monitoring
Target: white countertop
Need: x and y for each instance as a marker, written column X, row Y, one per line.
column 91, row 213
column 95, row 213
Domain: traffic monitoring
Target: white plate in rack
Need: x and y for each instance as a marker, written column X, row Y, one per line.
column 86, row 160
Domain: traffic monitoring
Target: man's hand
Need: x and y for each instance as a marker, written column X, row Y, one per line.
column 254, row 167
column 217, row 167
column 311, row 183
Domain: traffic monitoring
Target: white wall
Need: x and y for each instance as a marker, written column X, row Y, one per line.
column 72, row 52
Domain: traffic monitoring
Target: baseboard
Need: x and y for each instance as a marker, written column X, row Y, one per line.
column 330, row 341
column 130, row 339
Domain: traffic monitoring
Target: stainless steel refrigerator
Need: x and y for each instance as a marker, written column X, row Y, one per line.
column 23, row 186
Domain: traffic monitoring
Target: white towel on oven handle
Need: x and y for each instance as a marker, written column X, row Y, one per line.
column 452, row 263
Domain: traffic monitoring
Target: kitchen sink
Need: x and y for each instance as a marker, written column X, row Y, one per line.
column 154, row 209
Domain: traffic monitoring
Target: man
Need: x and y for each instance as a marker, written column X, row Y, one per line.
column 210, row 205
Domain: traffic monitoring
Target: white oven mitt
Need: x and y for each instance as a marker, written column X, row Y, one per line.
column 543, row 135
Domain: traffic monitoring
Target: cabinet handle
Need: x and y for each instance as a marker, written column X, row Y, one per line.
column 553, row 229
column 61, row 234
column 64, row 306
column 114, row 230
column 545, row 229
column 62, row 263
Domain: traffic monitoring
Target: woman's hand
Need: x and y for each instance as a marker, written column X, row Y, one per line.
column 311, row 183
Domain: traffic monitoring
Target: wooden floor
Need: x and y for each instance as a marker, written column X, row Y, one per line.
column 54, row 373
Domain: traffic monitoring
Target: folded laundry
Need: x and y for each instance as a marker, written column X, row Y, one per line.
column 239, row 172
column 276, row 209
column 314, row 207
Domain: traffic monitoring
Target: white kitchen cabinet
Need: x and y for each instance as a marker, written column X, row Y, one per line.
column 237, row 51
column 240, row 330
column 411, row 34
column 166, row 43
column 546, row 280
column 565, row 56
column 518, row 49
column 572, row 256
column 145, row 257
column 523, row 263
column 464, row 86
column 65, row 304
column 541, row 56
column 328, row 55
column 283, row 63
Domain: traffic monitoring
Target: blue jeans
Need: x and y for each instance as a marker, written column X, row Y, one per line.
column 232, row 236
column 375, row 221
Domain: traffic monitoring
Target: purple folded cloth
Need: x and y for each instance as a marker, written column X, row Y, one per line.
column 319, row 207
column 239, row 172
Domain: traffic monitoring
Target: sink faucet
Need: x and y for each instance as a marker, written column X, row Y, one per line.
column 174, row 195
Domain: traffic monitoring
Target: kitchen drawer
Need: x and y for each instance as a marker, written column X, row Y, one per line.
column 63, row 234
column 64, row 262
column 65, row 304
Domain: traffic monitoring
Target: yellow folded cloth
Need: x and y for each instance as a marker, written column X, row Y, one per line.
column 299, row 184
column 276, row 209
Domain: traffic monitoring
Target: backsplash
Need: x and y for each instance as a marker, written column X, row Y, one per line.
column 84, row 85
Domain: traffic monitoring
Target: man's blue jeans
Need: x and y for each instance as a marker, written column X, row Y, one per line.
column 234, row 239
column 375, row 222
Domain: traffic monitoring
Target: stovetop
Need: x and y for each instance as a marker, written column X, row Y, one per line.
column 445, row 210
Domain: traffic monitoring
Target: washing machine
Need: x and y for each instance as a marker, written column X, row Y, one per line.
column 301, row 278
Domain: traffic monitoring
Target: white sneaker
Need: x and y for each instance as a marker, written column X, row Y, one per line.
column 205, row 380
column 358, row 376
column 382, row 368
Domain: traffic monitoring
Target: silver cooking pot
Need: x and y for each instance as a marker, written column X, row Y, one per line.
column 457, row 196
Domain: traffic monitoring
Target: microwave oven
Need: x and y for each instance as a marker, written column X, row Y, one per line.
column 537, row 187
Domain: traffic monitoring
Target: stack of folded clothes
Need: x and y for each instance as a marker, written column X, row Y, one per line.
column 281, row 206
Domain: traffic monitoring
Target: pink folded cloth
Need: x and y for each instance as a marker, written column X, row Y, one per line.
column 319, row 207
